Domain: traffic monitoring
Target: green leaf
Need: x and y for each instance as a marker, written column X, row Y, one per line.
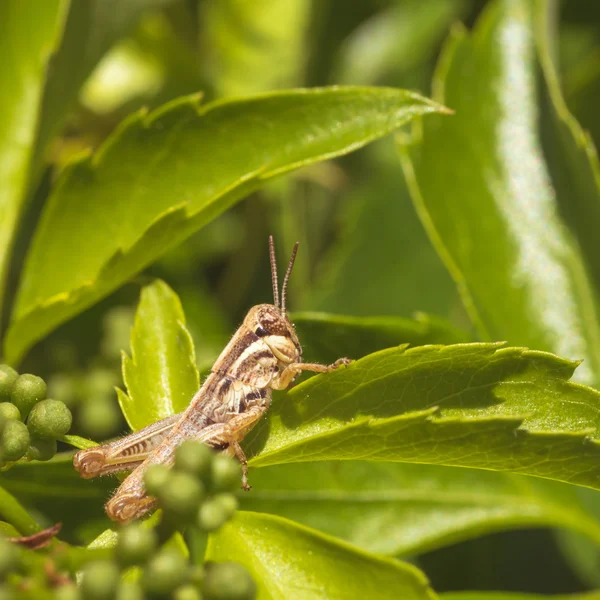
column 78, row 442
column 13, row 512
column 572, row 158
column 292, row 561
column 569, row 150
column 581, row 554
column 28, row 35
column 254, row 47
column 56, row 491
column 484, row 191
column 584, row 89
column 471, row 405
column 6, row 529
column 326, row 337
column 395, row 508
column 91, row 28
column 161, row 375
column 162, row 176
column 514, row 596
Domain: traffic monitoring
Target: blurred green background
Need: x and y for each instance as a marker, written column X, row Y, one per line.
column 353, row 216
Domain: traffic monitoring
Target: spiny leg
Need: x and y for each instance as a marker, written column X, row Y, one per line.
column 291, row 371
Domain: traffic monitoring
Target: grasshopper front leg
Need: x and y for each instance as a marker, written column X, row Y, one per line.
column 285, row 378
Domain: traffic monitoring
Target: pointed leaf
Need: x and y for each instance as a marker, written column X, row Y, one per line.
column 485, row 192
column 292, row 561
column 161, row 375
column 28, row 35
column 162, row 176
column 396, row 508
column 472, row 405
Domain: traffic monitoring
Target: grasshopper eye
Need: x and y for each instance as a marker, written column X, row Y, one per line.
column 260, row 332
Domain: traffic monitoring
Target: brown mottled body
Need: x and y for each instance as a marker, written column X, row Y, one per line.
column 263, row 355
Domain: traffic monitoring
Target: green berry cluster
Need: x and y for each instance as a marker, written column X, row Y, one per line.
column 198, row 491
column 166, row 574
column 30, row 423
column 196, row 497
column 196, row 494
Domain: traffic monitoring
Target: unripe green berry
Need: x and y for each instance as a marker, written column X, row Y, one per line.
column 9, row 557
column 226, row 474
column 130, row 590
column 26, row 392
column 212, row 515
column 164, row 572
column 49, row 419
column 228, row 581
column 181, row 496
column 14, row 440
column 135, row 545
column 100, row 580
column 68, row 591
column 155, row 479
column 194, row 458
column 41, row 449
column 8, row 376
column 187, row 592
column 229, row 503
column 9, row 411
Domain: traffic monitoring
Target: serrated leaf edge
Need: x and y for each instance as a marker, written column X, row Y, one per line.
column 146, row 119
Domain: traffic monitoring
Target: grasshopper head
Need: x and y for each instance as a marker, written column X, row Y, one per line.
column 274, row 327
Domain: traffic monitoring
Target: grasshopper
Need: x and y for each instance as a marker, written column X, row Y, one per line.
column 263, row 355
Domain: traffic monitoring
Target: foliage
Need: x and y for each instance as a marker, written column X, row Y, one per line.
column 448, row 245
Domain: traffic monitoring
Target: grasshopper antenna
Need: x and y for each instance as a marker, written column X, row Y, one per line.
column 287, row 277
column 274, row 271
